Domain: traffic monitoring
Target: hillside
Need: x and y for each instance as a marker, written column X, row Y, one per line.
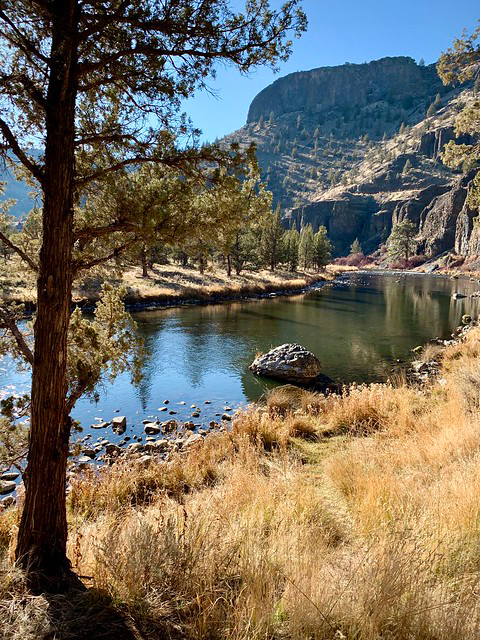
column 357, row 148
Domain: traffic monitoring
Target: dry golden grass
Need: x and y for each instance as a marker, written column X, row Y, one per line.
column 171, row 282
column 353, row 516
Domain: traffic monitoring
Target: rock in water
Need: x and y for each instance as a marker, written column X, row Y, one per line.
column 119, row 424
column 290, row 362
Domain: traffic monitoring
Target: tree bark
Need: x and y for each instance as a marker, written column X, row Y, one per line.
column 42, row 536
column 144, row 259
column 229, row 265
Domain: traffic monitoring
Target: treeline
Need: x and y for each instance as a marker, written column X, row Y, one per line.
column 264, row 244
column 215, row 217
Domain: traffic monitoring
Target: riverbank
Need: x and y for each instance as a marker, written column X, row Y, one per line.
column 314, row 517
column 173, row 285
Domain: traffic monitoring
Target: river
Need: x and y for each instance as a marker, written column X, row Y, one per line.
column 360, row 327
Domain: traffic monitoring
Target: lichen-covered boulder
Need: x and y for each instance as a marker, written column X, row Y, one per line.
column 290, row 362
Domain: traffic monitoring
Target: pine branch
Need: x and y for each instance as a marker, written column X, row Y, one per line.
column 33, row 167
column 19, row 251
column 81, row 265
column 7, row 322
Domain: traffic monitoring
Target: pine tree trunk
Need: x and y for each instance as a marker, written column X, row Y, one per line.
column 144, row 262
column 229, row 265
column 42, row 536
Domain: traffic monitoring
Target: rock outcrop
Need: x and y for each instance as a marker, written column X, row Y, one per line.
column 353, row 149
column 391, row 80
column 290, row 362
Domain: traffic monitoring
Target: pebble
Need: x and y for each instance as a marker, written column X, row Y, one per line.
column 226, row 417
column 152, row 428
column 100, row 425
column 172, row 413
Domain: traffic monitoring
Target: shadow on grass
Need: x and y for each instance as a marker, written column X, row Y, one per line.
column 88, row 614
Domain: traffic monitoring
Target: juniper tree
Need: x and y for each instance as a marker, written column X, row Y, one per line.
column 401, row 241
column 98, row 85
column 271, row 239
column 455, row 66
column 291, row 241
column 322, row 248
column 355, row 247
column 306, row 246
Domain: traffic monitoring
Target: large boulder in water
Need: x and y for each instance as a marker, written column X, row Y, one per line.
column 290, row 362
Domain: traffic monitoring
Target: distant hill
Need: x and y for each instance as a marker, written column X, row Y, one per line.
column 357, row 148
column 18, row 190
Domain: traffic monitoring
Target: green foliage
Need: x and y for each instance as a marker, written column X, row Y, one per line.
column 355, row 247
column 456, row 66
column 102, row 348
column 272, row 232
column 322, row 248
column 401, row 241
column 306, row 247
column 291, row 242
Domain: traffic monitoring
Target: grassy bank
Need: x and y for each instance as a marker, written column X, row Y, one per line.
column 315, row 517
column 173, row 284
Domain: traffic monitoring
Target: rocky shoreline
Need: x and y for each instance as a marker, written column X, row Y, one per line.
column 136, row 303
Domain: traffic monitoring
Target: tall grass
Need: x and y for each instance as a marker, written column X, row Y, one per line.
column 354, row 516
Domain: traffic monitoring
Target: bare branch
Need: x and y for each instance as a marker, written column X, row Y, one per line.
column 19, row 251
column 27, row 162
column 7, row 322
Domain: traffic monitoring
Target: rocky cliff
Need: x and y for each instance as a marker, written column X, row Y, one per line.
column 357, row 148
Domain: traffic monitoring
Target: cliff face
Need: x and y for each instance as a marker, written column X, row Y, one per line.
column 353, row 148
column 390, row 80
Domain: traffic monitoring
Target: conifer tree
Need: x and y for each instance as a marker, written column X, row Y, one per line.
column 401, row 241
column 322, row 248
column 99, row 85
column 272, row 233
column 306, row 247
column 355, row 247
column 455, row 66
column 291, row 241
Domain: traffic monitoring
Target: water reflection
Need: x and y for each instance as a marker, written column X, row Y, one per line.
column 358, row 327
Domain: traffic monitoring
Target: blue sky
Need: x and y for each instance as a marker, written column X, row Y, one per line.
column 342, row 31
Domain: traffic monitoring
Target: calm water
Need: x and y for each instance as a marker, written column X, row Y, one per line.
column 358, row 327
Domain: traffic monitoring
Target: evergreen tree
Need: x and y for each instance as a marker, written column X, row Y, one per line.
column 401, row 241
column 291, row 241
column 272, row 233
column 458, row 66
column 431, row 110
column 322, row 249
column 306, row 247
column 355, row 247
column 407, row 167
column 261, row 122
column 96, row 82
column 421, row 62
